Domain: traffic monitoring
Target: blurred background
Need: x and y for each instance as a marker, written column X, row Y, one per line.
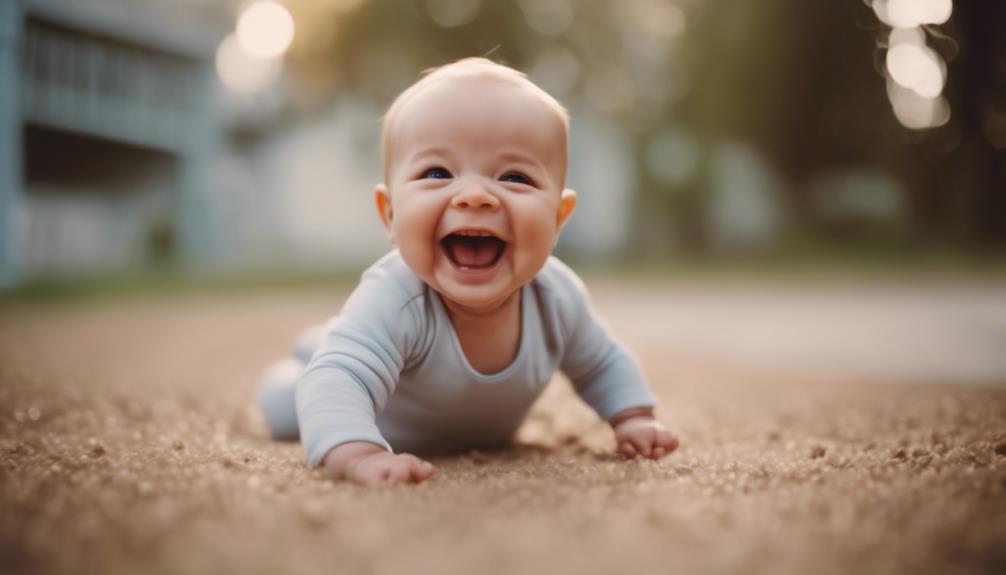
column 793, row 212
column 227, row 137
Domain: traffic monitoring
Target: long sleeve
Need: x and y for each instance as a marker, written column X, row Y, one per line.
column 603, row 372
column 353, row 374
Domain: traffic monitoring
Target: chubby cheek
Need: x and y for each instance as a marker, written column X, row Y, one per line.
column 414, row 228
column 535, row 230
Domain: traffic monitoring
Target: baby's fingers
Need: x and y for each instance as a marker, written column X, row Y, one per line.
column 666, row 441
column 642, row 443
column 422, row 470
column 372, row 476
column 407, row 468
column 385, row 469
column 625, row 448
column 398, row 473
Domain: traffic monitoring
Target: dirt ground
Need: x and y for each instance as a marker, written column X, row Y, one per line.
column 128, row 443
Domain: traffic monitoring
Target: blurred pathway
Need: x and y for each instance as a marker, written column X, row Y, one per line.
column 946, row 333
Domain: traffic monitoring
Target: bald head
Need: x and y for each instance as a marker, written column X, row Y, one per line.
column 482, row 69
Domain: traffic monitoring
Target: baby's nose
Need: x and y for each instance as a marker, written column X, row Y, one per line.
column 475, row 195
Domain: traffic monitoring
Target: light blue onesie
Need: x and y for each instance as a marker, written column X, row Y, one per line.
column 390, row 369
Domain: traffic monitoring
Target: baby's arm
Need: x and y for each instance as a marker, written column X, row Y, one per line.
column 350, row 379
column 370, row 464
column 608, row 378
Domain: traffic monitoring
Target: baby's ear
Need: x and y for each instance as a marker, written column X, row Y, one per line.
column 382, row 200
column 567, row 205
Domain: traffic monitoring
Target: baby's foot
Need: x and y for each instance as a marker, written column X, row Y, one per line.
column 276, row 398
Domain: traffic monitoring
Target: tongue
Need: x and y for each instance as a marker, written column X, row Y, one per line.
column 473, row 252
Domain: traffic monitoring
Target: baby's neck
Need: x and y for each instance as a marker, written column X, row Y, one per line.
column 490, row 338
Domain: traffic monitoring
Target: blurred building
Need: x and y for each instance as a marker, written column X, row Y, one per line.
column 107, row 132
column 134, row 132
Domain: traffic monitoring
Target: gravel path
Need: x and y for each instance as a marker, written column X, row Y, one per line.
column 830, row 430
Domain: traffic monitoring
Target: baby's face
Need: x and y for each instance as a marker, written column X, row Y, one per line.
column 474, row 197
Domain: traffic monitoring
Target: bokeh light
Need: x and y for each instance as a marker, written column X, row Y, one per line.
column 911, row 13
column 265, row 29
column 995, row 129
column 916, row 73
column 612, row 90
column 547, row 17
column 453, row 13
column 672, row 156
column 916, row 67
column 242, row 72
column 659, row 18
column 915, row 111
column 557, row 70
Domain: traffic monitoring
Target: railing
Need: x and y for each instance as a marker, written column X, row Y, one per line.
column 107, row 88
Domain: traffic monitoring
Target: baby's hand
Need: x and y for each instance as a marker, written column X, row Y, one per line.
column 389, row 469
column 644, row 436
column 369, row 464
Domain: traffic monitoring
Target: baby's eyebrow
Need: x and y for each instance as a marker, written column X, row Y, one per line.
column 519, row 157
column 428, row 153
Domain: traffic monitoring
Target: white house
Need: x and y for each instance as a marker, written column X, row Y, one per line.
column 107, row 131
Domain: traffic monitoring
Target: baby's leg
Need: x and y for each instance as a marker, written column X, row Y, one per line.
column 276, row 389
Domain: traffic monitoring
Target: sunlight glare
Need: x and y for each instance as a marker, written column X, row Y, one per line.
column 265, row 29
column 917, row 112
column 911, row 13
column 916, row 67
column 243, row 72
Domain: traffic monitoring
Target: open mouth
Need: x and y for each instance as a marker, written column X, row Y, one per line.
column 473, row 249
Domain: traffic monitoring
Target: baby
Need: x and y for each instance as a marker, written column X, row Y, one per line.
column 449, row 339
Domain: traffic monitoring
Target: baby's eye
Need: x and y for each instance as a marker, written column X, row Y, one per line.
column 516, row 178
column 436, row 174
